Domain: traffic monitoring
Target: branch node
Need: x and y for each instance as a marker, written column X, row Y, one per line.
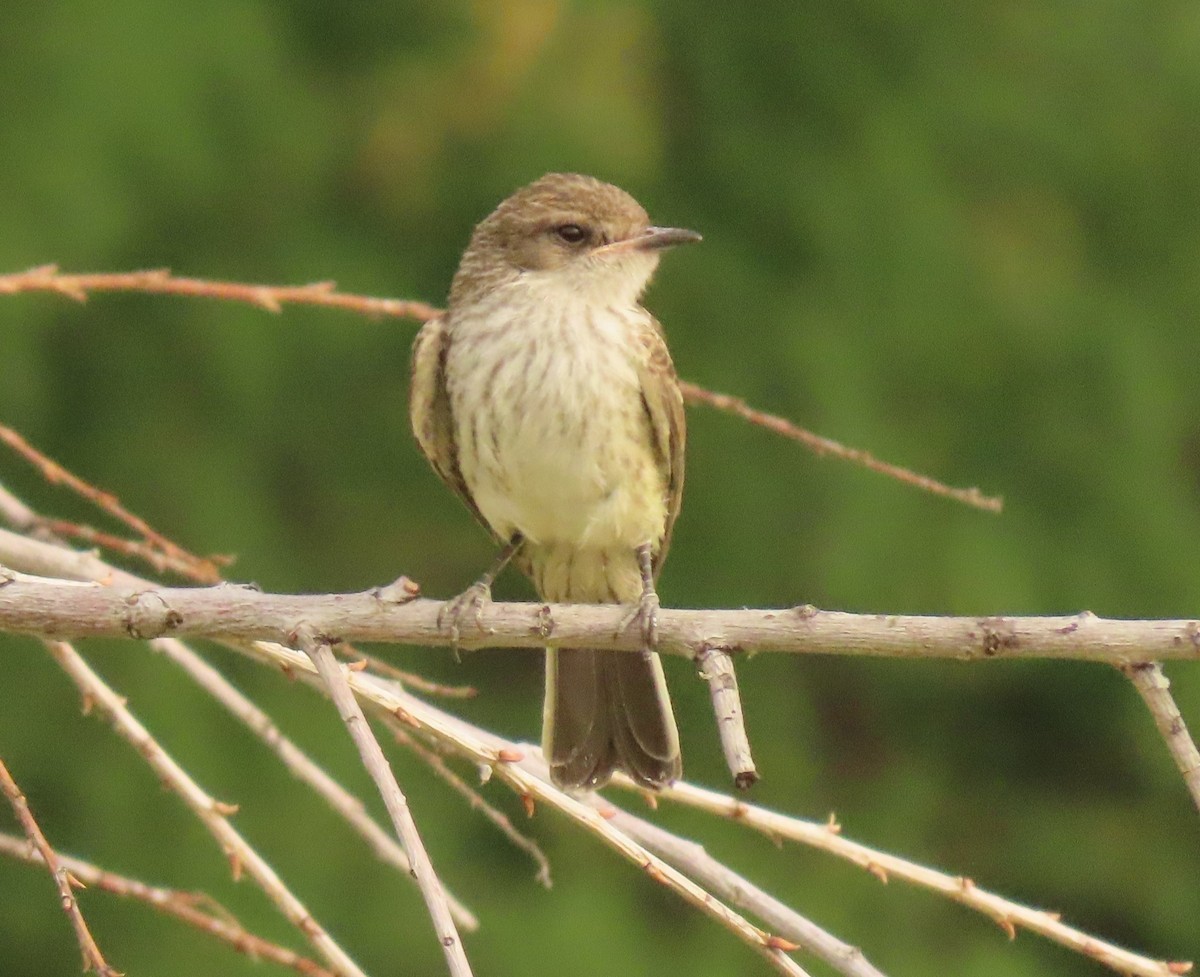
column 544, row 626
column 399, row 591
column 148, row 615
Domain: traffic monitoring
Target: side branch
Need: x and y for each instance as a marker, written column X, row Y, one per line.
column 273, row 298
column 333, row 675
column 93, row 959
column 819, row 445
column 160, row 281
column 61, row 609
column 214, row 919
column 1155, row 690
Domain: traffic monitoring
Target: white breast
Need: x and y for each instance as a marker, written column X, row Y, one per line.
column 552, row 434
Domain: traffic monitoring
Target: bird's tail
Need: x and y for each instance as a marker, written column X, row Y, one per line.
column 608, row 710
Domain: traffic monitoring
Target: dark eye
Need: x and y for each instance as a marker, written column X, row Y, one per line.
column 572, row 233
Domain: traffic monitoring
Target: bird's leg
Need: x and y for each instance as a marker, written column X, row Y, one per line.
column 645, row 612
column 478, row 595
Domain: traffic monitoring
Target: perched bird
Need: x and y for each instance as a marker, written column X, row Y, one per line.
column 546, row 398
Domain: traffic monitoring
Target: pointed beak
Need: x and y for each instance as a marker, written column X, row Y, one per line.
column 651, row 239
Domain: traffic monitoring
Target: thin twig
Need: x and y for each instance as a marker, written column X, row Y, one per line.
column 1155, row 690
column 211, row 681
column 1008, row 915
column 716, row 668
column 17, row 514
column 173, row 556
column 334, row 677
column 191, row 567
column 172, row 902
column 48, row 278
column 272, row 298
column 93, row 959
column 406, row 712
column 691, row 858
column 826, row 446
column 214, row 815
column 518, row 768
column 475, row 801
column 411, row 679
column 300, row 764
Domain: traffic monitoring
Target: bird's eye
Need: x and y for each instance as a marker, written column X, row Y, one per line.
column 572, row 233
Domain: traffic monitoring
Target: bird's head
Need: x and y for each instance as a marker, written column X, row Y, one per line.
column 570, row 232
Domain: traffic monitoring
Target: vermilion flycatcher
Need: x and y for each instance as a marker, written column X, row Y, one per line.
column 546, row 398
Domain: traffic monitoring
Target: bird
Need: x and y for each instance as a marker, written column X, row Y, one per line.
column 546, row 398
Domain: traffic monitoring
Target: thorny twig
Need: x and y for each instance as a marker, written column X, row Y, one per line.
column 64, row 881
column 48, row 278
column 215, row 920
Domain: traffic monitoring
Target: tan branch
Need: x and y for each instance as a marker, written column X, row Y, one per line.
column 503, row 758
column 64, row 881
column 300, row 764
column 716, row 668
column 826, row 446
column 1008, row 915
column 48, row 278
column 1155, row 690
column 44, row 606
column 508, row 763
column 333, row 674
column 691, row 858
column 475, row 801
column 166, row 554
column 214, row 815
column 171, row 902
column 160, row 281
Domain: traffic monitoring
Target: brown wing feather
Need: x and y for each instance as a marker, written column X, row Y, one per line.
column 664, row 408
column 429, row 410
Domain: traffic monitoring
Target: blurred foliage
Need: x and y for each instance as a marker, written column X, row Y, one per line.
column 964, row 237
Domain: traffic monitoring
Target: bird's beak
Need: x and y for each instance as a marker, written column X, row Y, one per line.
column 651, row 239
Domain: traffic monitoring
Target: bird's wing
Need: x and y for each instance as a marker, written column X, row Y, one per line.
column 429, row 410
column 664, row 407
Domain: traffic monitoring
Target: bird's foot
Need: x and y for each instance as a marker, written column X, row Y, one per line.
column 471, row 601
column 644, row 617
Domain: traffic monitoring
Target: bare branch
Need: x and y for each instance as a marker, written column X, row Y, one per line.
column 93, row 959
column 826, row 446
column 170, row 555
column 300, row 764
column 48, row 278
column 506, row 759
column 44, row 606
column 475, row 801
column 208, row 678
column 214, row 815
column 160, row 281
column 333, row 675
column 171, row 902
column 716, row 668
column 1155, row 690
column 411, row 679
column 518, row 767
column 691, row 858
column 1006, row 914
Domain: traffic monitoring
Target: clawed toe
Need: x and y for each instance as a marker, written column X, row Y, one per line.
column 472, row 600
column 644, row 617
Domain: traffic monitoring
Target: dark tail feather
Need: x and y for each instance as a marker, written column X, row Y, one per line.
column 608, row 710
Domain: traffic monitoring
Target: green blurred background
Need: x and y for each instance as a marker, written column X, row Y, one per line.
column 965, row 237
